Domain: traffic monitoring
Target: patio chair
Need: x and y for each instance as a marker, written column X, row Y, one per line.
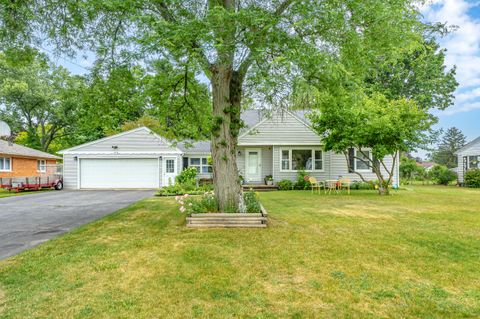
column 345, row 183
column 316, row 184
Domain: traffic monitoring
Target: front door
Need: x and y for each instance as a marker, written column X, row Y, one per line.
column 169, row 170
column 253, row 165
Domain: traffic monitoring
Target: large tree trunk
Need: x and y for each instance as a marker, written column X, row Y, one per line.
column 226, row 115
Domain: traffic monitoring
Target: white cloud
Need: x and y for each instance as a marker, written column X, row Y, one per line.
column 463, row 49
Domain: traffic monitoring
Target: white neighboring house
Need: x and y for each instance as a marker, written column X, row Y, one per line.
column 468, row 158
column 277, row 145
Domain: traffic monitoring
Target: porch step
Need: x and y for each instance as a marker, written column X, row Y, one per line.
column 223, row 225
column 260, row 187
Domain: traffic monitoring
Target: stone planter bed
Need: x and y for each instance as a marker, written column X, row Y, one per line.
column 228, row 220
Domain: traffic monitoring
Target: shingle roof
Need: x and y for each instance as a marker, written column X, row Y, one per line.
column 19, row 150
column 249, row 117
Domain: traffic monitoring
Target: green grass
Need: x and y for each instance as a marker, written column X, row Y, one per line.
column 6, row 193
column 415, row 254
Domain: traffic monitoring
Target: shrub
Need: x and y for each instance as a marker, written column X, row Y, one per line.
column 285, row 185
column 181, row 189
column 252, row 203
column 207, row 203
column 442, row 175
column 363, row 186
column 472, row 178
column 187, row 177
column 302, row 180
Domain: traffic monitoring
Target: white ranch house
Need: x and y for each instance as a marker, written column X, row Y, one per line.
column 277, row 145
column 468, row 158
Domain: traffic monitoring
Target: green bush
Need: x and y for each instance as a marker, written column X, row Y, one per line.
column 251, row 202
column 181, row 189
column 363, row 186
column 472, row 178
column 207, row 203
column 187, row 177
column 302, row 180
column 285, row 185
column 442, row 175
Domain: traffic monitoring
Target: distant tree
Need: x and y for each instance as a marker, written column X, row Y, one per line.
column 39, row 98
column 452, row 141
column 408, row 168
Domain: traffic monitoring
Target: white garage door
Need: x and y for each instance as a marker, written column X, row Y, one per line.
column 119, row 173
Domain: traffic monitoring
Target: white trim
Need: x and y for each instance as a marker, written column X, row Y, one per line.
column 312, row 149
column 143, row 128
column 259, row 151
column 200, row 165
column 365, row 170
column 269, row 143
column 44, row 166
column 11, row 164
column 160, row 153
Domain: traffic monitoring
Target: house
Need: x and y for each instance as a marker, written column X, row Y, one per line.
column 21, row 161
column 468, row 158
column 277, row 145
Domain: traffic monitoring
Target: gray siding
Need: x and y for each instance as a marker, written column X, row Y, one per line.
column 267, row 160
column 334, row 164
column 281, row 129
column 69, row 172
column 472, row 150
column 135, row 141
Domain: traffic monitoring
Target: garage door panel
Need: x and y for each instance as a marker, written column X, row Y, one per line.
column 119, row 173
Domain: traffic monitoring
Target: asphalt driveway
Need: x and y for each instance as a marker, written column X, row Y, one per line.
column 28, row 220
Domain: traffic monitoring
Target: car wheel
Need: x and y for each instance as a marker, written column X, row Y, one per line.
column 59, row 186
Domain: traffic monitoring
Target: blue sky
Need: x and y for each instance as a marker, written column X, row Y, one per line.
column 463, row 50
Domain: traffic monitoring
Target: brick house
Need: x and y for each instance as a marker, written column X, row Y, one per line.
column 21, row 161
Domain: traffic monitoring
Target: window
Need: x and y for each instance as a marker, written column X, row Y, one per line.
column 41, row 166
column 473, row 162
column 362, row 161
column 301, row 159
column 170, row 166
column 201, row 164
column 5, row 164
column 285, row 160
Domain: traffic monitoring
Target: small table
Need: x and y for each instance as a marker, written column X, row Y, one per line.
column 332, row 184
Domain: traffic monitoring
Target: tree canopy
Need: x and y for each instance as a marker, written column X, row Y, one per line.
column 451, row 141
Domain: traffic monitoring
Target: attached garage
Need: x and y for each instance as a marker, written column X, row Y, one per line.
column 134, row 159
column 119, row 173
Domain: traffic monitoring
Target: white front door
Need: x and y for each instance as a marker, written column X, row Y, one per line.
column 170, row 170
column 253, row 164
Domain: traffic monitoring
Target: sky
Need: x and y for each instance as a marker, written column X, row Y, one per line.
column 463, row 51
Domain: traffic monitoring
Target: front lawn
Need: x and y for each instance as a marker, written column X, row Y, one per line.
column 414, row 254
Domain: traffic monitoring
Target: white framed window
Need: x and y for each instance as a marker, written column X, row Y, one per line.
column 362, row 163
column 201, row 164
column 41, row 166
column 5, row 164
column 170, row 166
column 298, row 158
column 473, row 162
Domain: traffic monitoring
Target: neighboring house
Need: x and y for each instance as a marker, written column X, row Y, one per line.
column 427, row 165
column 21, row 161
column 468, row 158
column 277, row 145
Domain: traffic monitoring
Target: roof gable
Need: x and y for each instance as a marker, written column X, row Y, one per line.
column 282, row 128
column 141, row 139
column 475, row 143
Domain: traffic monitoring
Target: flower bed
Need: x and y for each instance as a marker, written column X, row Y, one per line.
column 203, row 212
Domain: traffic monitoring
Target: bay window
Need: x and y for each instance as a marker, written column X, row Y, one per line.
column 294, row 159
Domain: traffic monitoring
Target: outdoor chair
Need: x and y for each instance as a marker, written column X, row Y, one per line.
column 332, row 185
column 345, row 184
column 316, row 184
